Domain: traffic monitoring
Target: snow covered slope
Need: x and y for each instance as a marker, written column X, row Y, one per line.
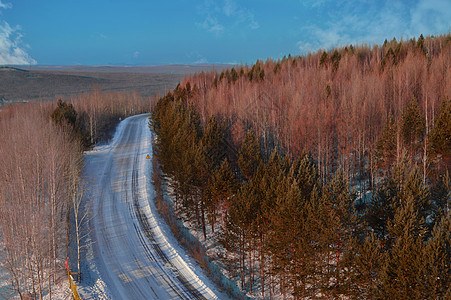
column 133, row 255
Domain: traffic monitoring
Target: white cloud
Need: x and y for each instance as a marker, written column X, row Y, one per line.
column 239, row 15
column 225, row 16
column 313, row 3
column 12, row 49
column 229, row 8
column 196, row 58
column 430, row 17
column 5, row 5
column 211, row 24
column 304, row 47
column 201, row 61
column 361, row 22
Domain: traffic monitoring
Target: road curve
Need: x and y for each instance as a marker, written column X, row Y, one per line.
column 132, row 254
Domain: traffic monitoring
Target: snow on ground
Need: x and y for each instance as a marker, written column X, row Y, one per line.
column 216, row 252
column 133, row 254
column 59, row 291
column 6, row 288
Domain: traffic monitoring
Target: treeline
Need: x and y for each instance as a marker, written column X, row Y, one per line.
column 41, row 188
column 39, row 164
column 333, row 104
column 267, row 157
column 100, row 111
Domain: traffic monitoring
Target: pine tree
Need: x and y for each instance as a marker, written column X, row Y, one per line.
column 440, row 136
column 64, row 113
column 291, row 235
column 412, row 127
column 441, row 197
column 306, row 174
column 414, row 189
column 436, row 273
column 339, row 202
column 323, row 58
column 249, row 155
column 270, row 183
column 287, row 240
column 366, row 260
column 335, row 58
column 246, row 213
column 212, row 142
column 407, row 233
column 420, row 43
column 382, row 208
column 386, row 146
column 400, row 277
column 222, row 186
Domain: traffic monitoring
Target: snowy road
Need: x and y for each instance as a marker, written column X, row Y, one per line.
column 132, row 252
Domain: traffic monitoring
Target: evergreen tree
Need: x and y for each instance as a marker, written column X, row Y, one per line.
column 440, row 136
column 400, row 277
column 268, row 186
column 402, row 185
column 436, row 272
column 366, row 262
column 249, row 155
column 338, row 201
column 257, row 73
column 287, row 240
column 386, row 146
column 420, row 43
column 407, row 234
column 290, row 238
column 316, row 219
column 414, row 189
column 323, row 59
column 441, row 197
column 412, row 127
column 270, row 183
column 389, row 58
column 212, row 142
column 222, row 186
column 64, row 113
column 306, row 174
column 234, row 75
column 246, row 213
column 335, row 58
column 382, row 208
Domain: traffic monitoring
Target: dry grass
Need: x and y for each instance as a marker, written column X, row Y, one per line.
column 17, row 85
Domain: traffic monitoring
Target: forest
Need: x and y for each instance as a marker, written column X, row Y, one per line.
column 324, row 175
column 43, row 209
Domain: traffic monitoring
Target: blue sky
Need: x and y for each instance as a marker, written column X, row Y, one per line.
column 154, row 32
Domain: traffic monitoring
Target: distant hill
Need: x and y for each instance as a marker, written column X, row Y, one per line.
column 45, row 83
column 166, row 69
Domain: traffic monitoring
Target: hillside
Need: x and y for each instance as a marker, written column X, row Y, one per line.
column 324, row 175
column 31, row 83
column 332, row 104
